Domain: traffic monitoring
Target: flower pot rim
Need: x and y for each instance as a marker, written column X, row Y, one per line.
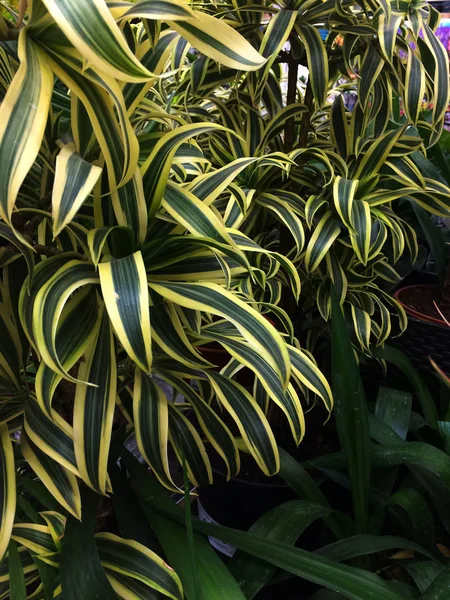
column 415, row 313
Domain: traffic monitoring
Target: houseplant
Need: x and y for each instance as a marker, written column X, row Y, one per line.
column 391, row 517
column 337, row 211
column 97, row 225
column 154, row 231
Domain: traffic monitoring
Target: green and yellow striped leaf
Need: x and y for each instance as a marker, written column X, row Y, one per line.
column 439, row 73
column 360, row 233
column 96, row 36
column 34, row 537
column 129, row 206
column 151, row 422
column 41, row 274
column 307, row 372
column 343, row 195
column 60, row 482
column 317, row 61
column 168, row 332
column 94, row 408
column 51, row 434
column 156, row 168
column 388, row 25
column 130, row 558
column 377, row 153
column 7, row 489
column 339, row 127
column 125, row 292
column 23, row 116
column 48, row 307
column 362, row 326
column 188, row 446
column 121, row 238
column 164, row 10
column 287, row 216
column 371, row 67
column 253, row 327
column 56, row 523
column 414, row 87
column 103, row 101
column 217, row 40
column 74, row 181
column 193, row 214
column 77, row 330
column 215, row 430
column 250, row 420
column 287, row 400
column 324, row 234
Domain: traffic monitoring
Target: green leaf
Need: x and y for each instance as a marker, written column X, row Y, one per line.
column 296, row 476
column 88, row 580
column 438, row 589
column 401, row 361
column 284, row 523
column 17, row 588
column 354, row 583
column 214, row 580
column 435, row 240
column 361, row 545
column 351, row 414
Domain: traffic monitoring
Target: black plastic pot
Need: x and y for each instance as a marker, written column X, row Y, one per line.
column 424, row 339
column 240, row 502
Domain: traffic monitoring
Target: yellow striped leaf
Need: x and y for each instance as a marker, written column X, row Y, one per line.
column 325, row 232
column 188, row 445
column 250, row 420
column 59, row 481
column 217, row 40
column 343, row 195
column 74, row 181
column 7, row 489
column 49, row 304
column 94, row 408
column 151, row 422
column 125, row 292
column 23, row 116
column 96, row 36
column 215, row 430
column 156, row 168
column 414, row 87
column 132, row 559
column 164, row 10
column 253, row 327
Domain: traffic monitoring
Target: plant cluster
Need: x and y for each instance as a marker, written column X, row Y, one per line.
column 160, row 192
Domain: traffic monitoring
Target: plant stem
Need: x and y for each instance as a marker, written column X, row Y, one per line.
column 291, row 97
column 306, row 118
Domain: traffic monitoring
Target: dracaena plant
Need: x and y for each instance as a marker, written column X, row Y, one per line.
column 333, row 211
column 118, row 261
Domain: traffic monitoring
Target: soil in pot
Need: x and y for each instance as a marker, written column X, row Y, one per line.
column 422, row 298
